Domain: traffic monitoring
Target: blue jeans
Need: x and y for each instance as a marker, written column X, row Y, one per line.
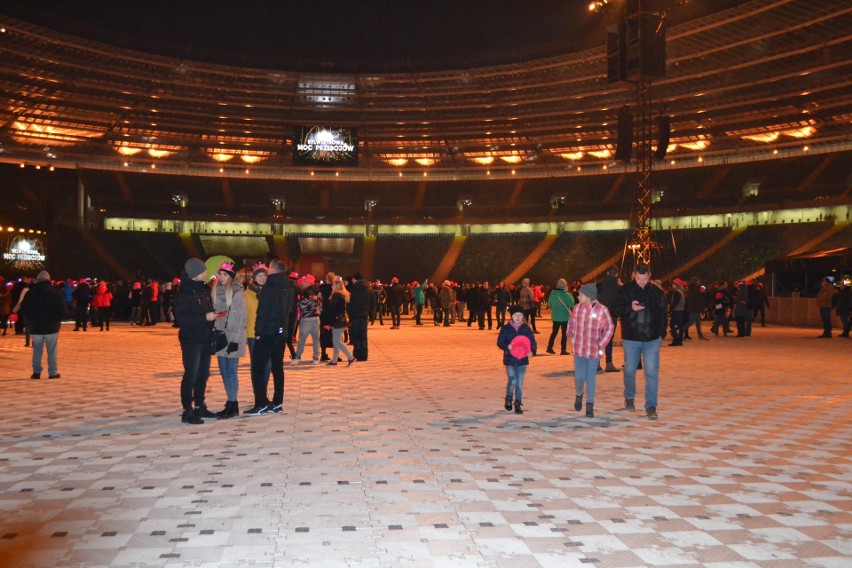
column 516, row 381
column 309, row 326
column 39, row 342
column 228, row 370
column 585, row 375
column 650, row 352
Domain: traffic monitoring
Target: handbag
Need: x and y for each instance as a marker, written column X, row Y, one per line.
column 341, row 321
column 218, row 340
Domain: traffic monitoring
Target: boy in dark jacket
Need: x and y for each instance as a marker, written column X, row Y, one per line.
column 517, row 341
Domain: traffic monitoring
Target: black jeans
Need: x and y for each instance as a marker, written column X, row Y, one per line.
column 196, row 370
column 418, row 311
column 268, row 348
column 358, row 333
column 559, row 325
column 395, row 315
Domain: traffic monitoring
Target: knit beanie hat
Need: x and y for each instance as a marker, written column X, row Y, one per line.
column 43, row 276
column 194, row 267
column 590, row 291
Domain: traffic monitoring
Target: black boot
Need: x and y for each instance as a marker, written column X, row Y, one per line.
column 225, row 412
column 590, row 410
column 628, row 404
column 189, row 417
column 508, row 405
column 518, row 407
column 578, row 402
column 203, row 412
column 235, row 408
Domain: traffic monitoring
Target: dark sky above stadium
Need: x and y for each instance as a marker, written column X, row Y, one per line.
column 263, row 32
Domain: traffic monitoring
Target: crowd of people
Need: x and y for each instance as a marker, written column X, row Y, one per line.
column 270, row 311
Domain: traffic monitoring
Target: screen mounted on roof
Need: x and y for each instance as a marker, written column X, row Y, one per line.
column 325, row 146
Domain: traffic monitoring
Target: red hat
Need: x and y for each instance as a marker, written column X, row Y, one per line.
column 719, row 295
column 520, row 347
column 293, row 275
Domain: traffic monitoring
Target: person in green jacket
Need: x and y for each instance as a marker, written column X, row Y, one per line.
column 560, row 302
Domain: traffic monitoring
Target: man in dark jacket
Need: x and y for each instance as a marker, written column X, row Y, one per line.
column 359, row 310
column 607, row 291
column 82, row 296
column 43, row 307
column 274, row 305
column 396, row 294
column 641, row 306
column 194, row 314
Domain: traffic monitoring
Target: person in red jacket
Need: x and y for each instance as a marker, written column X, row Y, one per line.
column 102, row 302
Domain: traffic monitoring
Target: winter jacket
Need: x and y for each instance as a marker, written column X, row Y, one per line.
column 507, row 334
column 191, row 307
column 643, row 325
column 44, row 309
column 102, row 298
column 274, row 304
column 233, row 324
column 560, row 303
column 359, row 300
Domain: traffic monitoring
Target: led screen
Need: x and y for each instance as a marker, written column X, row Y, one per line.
column 325, row 146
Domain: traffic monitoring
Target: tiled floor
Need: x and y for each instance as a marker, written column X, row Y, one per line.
column 409, row 459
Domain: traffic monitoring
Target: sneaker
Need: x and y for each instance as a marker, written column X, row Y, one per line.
column 550, row 350
column 349, row 364
column 275, row 408
column 295, row 361
column 36, row 376
column 315, row 362
column 56, row 376
column 331, row 363
column 610, row 368
column 257, row 410
column 651, row 413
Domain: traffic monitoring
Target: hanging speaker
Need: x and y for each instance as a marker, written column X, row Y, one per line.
column 624, row 145
column 663, row 135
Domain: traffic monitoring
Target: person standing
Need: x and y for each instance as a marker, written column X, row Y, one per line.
column 337, row 308
column 641, row 307
column 102, row 302
column 82, row 297
column 696, row 302
column 359, row 310
column 560, row 302
column 274, row 304
column 517, row 341
column 419, row 302
column 194, row 314
column 607, row 291
column 309, row 305
column 677, row 303
column 259, row 275
column 503, row 298
column 526, row 300
column 44, row 309
column 395, row 295
column 843, row 307
column 826, row 300
column 590, row 329
column 5, row 303
column 229, row 298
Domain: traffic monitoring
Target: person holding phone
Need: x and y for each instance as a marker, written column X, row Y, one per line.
column 641, row 307
column 194, row 314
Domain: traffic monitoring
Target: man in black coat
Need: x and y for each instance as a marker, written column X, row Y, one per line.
column 641, row 307
column 44, row 310
column 607, row 291
column 82, row 296
column 274, row 305
column 359, row 311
